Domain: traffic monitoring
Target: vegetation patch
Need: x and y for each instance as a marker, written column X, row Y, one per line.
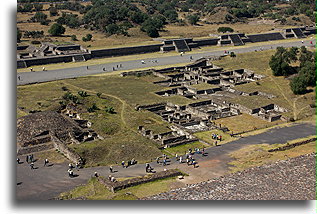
column 256, row 155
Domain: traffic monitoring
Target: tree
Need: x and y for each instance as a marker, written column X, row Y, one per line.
column 308, row 73
column 53, row 11
column 225, row 29
column 171, row 15
column 113, row 29
column 56, row 30
column 27, row 7
column 74, row 38
column 39, row 17
column 38, row 7
column 193, row 19
column 19, row 35
column 280, row 61
column 298, row 85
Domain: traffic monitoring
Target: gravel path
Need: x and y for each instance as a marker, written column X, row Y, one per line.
column 292, row 179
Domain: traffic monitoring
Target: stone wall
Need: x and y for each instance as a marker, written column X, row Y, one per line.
column 290, row 146
column 37, row 148
column 68, row 152
column 118, row 185
column 125, row 51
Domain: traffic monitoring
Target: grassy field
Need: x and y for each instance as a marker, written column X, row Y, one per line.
column 243, row 122
column 183, row 149
column 206, row 136
column 256, row 155
column 93, row 190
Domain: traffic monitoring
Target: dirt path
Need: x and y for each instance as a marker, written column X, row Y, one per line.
column 124, row 104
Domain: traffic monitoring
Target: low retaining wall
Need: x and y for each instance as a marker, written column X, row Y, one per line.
column 68, row 152
column 115, row 186
column 37, row 148
column 286, row 147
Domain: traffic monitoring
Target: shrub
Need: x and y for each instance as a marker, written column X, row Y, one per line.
column 225, row 29
column 56, row 30
column 74, row 38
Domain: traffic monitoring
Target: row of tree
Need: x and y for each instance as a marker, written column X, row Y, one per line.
column 283, row 63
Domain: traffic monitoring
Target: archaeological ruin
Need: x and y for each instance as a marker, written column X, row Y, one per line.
column 46, row 53
column 211, row 90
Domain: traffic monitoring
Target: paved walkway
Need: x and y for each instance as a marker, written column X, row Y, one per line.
column 50, row 75
column 45, row 183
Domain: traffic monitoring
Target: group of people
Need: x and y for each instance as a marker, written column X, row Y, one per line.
column 129, row 163
column 216, row 137
column 30, row 160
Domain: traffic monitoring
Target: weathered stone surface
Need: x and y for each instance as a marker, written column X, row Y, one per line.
column 292, row 179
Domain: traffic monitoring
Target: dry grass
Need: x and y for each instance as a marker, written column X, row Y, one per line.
column 137, row 37
column 256, row 155
column 243, row 122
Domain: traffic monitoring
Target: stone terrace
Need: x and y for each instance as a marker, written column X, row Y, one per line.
column 292, row 179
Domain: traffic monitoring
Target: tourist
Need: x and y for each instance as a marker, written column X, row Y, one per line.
column 216, row 143
column 31, row 158
column 77, row 166
column 191, row 58
column 117, row 66
column 180, row 159
column 158, row 160
column 111, row 169
column 43, row 69
column 122, row 164
column 19, row 78
column 164, row 162
column 142, row 61
column 70, row 173
column 187, row 161
column 96, row 175
column 104, row 69
column 194, row 163
column 32, row 165
column 302, row 41
column 176, row 156
column 18, row 160
column 27, row 159
column 70, row 166
column 45, row 162
column 87, row 67
column 133, row 161
column 113, row 179
column 109, row 177
column 31, row 69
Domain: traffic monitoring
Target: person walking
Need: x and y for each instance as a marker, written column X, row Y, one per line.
column 122, row 164
column 111, row 169
column 27, row 159
column 180, row 159
column 32, row 165
column 18, row 160
column 45, row 162
column 164, row 162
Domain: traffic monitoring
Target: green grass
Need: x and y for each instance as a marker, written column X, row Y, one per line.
column 182, row 149
column 206, row 136
column 93, row 190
